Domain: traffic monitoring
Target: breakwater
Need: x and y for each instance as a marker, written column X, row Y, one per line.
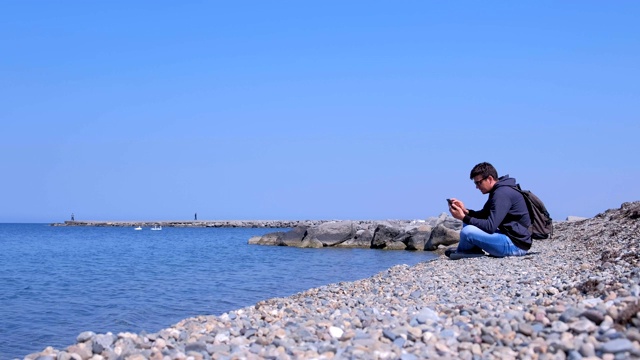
column 197, row 223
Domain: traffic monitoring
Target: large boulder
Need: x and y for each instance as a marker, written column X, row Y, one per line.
column 440, row 235
column 361, row 239
column 418, row 237
column 397, row 244
column 293, row 237
column 331, row 233
column 445, row 220
column 384, row 235
column 254, row 240
column 267, row 239
column 311, row 243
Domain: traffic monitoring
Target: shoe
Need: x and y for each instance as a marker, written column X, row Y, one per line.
column 450, row 251
column 465, row 255
column 475, row 250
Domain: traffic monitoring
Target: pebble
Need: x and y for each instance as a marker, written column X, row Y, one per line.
column 525, row 329
column 574, row 297
column 617, row 345
column 583, row 326
column 336, row 332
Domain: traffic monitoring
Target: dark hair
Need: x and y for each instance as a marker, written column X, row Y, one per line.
column 485, row 169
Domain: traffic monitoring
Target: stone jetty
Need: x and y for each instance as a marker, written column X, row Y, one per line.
column 196, row 223
column 426, row 234
column 575, row 296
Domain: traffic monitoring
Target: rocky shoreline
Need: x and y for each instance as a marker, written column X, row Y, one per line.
column 573, row 297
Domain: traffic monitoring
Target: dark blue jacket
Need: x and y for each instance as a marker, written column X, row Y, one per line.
column 506, row 212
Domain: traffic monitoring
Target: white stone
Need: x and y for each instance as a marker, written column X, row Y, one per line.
column 221, row 338
column 336, row 332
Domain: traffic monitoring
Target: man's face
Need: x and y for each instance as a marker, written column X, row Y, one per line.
column 484, row 184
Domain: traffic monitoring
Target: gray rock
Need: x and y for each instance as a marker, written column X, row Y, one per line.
column 255, row 240
column 488, row 339
column 593, row 315
column 574, row 355
column 445, row 220
column 102, row 342
column 383, row 235
column 525, row 329
column 332, row 233
column 270, row 238
column 617, row 345
column 395, row 245
column 196, row 347
column 537, row 327
column 83, row 350
column 570, row 314
column 311, row 243
column 389, row 334
column 559, row 326
column 399, row 342
column 446, row 334
column 425, row 315
column 587, row 349
column 441, row 235
column 84, row 336
column 583, row 326
column 218, row 348
column 293, row 237
column 418, row 237
column 361, row 239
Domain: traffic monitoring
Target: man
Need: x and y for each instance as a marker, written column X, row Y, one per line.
column 501, row 228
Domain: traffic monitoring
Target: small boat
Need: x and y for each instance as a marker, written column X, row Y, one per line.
column 156, row 227
column 138, row 228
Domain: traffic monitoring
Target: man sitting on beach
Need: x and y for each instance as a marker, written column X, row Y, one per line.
column 501, row 228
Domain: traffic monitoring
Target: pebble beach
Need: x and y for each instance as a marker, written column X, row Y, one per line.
column 574, row 296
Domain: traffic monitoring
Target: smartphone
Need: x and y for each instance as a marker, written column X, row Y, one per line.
column 449, row 201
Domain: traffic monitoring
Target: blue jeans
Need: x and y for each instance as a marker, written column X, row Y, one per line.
column 496, row 244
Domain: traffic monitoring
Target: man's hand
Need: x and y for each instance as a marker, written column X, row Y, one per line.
column 457, row 209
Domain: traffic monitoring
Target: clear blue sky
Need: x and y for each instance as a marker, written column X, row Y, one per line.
column 155, row 110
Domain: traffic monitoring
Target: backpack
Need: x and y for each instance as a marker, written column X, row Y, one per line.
column 541, row 222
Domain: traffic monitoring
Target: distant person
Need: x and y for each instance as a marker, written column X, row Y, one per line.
column 501, row 228
column 195, row 217
column 73, row 218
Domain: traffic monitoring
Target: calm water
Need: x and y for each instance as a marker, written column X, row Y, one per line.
column 56, row 282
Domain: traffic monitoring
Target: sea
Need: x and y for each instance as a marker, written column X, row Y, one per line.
column 56, row 282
